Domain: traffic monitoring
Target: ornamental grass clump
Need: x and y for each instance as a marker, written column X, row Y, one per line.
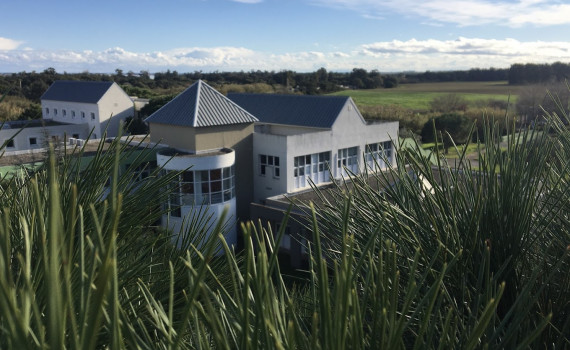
column 464, row 255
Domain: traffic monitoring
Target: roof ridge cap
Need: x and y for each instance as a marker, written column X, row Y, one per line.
column 197, row 107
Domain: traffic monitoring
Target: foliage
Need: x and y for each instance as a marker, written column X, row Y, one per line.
column 500, row 231
column 34, row 111
column 444, row 257
column 136, row 126
column 453, row 127
column 532, row 73
column 535, row 99
column 448, row 103
column 407, row 118
column 13, row 107
column 154, row 105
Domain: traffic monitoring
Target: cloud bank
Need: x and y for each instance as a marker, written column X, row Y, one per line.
column 386, row 56
column 515, row 13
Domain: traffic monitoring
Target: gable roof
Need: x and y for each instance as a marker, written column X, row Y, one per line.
column 201, row 105
column 77, row 91
column 298, row 110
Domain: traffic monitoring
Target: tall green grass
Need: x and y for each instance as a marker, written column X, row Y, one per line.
column 477, row 259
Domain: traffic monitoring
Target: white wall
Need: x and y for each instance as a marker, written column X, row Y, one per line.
column 349, row 130
column 272, row 145
column 70, row 107
column 22, row 137
column 201, row 162
column 114, row 107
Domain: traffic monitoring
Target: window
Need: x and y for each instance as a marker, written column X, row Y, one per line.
column 83, row 115
column 75, row 136
column 269, row 165
column 347, row 161
column 206, row 186
column 33, row 141
column 10, row 144
column 64, row 112
column 142, row 171
column 47, row 111
column 55, row 111
column 92, row 116
column 314, row 166
column 377, row 154
column 73, row 114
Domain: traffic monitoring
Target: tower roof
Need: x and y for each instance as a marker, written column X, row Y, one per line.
column 200, row 105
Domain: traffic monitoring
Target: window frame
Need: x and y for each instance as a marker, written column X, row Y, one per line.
column 269, row 161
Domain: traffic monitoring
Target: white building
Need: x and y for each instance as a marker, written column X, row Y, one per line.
column 27, row 136
column 300, row 138
column 242, row 149
column 101, row 105
column 210, row 141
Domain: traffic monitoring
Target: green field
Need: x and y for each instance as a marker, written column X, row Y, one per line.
column 419, row 96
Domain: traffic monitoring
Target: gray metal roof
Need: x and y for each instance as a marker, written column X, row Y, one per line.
column 201, row 105
column 77, row 91
column 299, row 110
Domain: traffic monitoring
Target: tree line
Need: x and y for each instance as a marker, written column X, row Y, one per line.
column 32, row 85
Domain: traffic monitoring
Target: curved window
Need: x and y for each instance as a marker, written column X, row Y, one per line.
column 206, row 186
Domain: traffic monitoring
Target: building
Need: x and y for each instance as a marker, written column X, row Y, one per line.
column 302, row 139
column 247, row 148
column 100, row 105
column 210, row 139
column 245, row 154
column 29, row 136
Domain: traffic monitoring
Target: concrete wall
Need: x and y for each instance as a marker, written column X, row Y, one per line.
column 238, row 137
column 41, row 134
column 179, row 137
column 114, row 107
column 272, row 145
column 349, row 130
column 83, row 113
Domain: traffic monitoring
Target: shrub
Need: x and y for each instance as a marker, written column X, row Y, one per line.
column 453, row 128
column 448, row 103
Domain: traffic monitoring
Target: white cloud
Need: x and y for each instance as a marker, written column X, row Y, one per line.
column 419, row 55
column 463, row 12
column 9, row 44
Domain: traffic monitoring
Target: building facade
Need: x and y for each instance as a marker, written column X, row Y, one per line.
column 312, row 139
column 101, row 105
column 235, row 153
column 210, row 139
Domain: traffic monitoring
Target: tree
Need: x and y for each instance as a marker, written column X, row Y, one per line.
column 452, row 126
column 390, row 82
column 34, row 111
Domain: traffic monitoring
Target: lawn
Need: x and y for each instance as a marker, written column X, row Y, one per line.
column 419, row 96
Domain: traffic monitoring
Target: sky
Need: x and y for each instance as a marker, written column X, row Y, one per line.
column 301, row 35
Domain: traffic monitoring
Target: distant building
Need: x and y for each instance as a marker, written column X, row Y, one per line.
column 101, row 105
column 28, row 136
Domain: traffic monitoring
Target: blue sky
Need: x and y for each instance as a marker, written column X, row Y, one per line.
column 301, row 35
